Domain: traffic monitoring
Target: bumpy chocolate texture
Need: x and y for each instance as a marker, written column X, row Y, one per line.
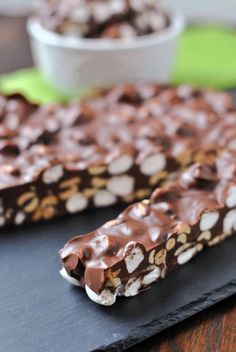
column 103, row 18
column 153, row 237
column 115, row 147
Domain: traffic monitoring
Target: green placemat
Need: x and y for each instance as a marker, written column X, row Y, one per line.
column 207, row 57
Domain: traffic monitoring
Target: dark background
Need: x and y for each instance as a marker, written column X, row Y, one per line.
column 213, row 330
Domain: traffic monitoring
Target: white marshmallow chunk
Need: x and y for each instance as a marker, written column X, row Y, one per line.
column 153, row 164
column 106, row 298
column 134, row 259
column 208, row 220
column 121, row 185
column 77, row 202
column 152, row 276
column 120, row 165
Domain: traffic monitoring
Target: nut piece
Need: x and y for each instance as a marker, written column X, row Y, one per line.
column 152, row 276
column 231, row 197
column 29, row 201
column 158, row 177
column 99, row 182
column 104, row 198
column 89, row 192
column 112, row 279
column 204, row 236
column 53, row 174
column 199, row 247
column 153, row 164
column 142, row 193
column 121, row 185
column 160, row 257
column 182, row 238
column 230, row 222
column 77, row 202
column 182, row 249
column 183, row 228
column 186, row 256
column 97, row 170
column 133, row 259
column 215, row 241
column 151, row 257
column 208, row 220
column 120, row 165
column 170, row 244
column 69, row 187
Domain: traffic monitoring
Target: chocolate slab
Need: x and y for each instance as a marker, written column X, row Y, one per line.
column 115, row 147
column 153, row 237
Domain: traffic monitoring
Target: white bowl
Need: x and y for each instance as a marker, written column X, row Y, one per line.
column 74, row 64
column 16, row 7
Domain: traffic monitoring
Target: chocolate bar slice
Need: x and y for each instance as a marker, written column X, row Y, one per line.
column 153, row 237
column 117, row 146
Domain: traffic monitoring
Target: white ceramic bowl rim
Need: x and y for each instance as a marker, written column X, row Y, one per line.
column 37, row 31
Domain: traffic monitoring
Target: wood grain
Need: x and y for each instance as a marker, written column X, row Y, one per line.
column 211, row 331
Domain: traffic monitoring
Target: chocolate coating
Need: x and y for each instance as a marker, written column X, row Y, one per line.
column 174, row 224
column 117, row 146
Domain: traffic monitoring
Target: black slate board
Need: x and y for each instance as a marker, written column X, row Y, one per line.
column 41, row 312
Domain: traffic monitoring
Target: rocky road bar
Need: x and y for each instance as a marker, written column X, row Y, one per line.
column 155, row 236
column 117, row 146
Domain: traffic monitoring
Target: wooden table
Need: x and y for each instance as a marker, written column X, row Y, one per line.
column 213, row 330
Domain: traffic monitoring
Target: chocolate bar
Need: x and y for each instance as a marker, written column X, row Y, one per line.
column 103, row 19
column 155, row 236
column 117, row 146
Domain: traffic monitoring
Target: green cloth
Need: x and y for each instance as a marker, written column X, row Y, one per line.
column 207, row 57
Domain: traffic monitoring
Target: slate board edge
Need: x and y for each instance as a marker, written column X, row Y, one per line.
column 145, row 331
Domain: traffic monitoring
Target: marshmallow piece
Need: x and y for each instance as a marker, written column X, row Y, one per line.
column 208, row 220
column 53, row 174
column 132, row 287
column 121, row 185
column 229, row 224
column 186, row 256
column 70, row 279
column 152, row 276
column 20, row 218
column 106, row 298
column 134, row 259
column 231, row 197
column 232, row 144
column 2, row 221
column 153, row 164
column 120, row 165
column 77, row 202
column 104, row 198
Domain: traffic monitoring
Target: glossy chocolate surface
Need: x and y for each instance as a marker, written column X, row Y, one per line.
column 136, row 120
column 199, row 201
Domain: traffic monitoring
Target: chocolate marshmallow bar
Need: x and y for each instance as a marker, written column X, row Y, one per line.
column 117, row 146
column 153, row 237
column 103, row 18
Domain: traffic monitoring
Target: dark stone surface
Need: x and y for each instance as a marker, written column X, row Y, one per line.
column 42, row 312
